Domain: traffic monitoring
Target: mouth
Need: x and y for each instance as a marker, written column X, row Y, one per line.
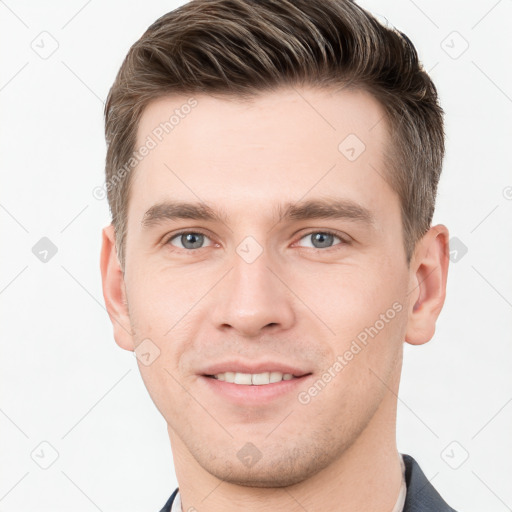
column 254, row 379
column 244, row 383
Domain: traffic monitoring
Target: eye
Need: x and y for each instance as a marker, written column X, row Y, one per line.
column 322, row 239
column 188, row 240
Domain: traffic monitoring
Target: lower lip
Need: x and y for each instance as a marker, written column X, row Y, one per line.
column 241, row 394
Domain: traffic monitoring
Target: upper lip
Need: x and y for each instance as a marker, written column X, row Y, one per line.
column 253, row 367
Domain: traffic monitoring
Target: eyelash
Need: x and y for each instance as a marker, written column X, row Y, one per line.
column 343, row 239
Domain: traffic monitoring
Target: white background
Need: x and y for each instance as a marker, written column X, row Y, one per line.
column 64, row 380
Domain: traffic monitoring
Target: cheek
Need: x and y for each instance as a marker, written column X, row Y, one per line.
column 163, row 309
column 159, row 301
column 160, row 313
column 367, row 313
column 349, row 298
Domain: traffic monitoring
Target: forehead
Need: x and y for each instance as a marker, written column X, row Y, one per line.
column 304, row 119
column 280, row 146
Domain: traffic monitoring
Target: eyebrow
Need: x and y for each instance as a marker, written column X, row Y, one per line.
column 303, row 210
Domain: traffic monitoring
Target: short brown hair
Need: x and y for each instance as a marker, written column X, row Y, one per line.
column 244, row 47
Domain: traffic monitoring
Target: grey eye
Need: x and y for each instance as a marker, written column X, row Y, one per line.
column 189, row 240
column 320, row 239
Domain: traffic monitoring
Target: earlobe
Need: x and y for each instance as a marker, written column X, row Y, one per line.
column 429, row 271
column 114, row 290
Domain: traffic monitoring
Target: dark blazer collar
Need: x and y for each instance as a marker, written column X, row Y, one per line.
column 167, row 507
column 421, row 495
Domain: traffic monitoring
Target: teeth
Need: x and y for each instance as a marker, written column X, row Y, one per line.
column 276, row 377
column 261, row 378
column 255, row 379
column 243, row 378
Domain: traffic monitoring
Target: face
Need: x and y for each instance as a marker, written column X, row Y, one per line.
column 263, row 245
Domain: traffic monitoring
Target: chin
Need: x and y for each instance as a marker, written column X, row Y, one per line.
column 282, row 470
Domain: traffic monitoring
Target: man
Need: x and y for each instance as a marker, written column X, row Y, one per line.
column 272, row 169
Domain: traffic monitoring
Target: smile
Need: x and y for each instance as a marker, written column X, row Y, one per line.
column 253, row 379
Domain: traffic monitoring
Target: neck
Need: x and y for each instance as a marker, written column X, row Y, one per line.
column 367, row 476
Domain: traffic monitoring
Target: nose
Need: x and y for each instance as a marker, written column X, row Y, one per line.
column 253, row 299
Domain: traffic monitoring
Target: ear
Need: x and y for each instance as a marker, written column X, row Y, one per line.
column 114, row 291
column 429, row 271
